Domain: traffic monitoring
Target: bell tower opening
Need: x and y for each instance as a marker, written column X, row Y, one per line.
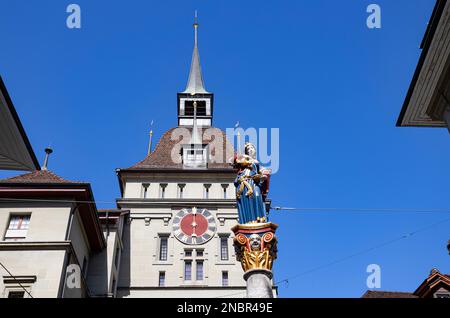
column 186, row 109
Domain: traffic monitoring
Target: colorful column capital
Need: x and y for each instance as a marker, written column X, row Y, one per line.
column 255, row 245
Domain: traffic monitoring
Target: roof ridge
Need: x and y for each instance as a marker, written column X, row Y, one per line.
column 37, row 176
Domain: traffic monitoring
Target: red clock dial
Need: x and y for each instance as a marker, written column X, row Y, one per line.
column 194, row 226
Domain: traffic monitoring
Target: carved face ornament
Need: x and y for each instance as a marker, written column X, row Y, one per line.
column 255, row 242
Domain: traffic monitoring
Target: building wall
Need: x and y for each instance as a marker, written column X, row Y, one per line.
column 192, row 190
column 39, row 253
column 47, row 223
column 69, row 289
column 140, row 264
column 183, row 293
column 47, row 266
column 152, row 217
column 104, row 267
column 79, row 241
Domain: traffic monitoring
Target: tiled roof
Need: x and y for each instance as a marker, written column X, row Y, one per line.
column 432, row 283
column 387, row 294
column 161, row 157
column 38, row 176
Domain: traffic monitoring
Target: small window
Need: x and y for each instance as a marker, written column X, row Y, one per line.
column 16, row 294
column 145, row 187
column 442, row 295
column 206, row 191
column 194, row 156
column 199, row 273
column 162, row 190
column 181, row 191
column 19, row 222
column 188, row 270
column 199, row 253
column 224, row 248
column 162, row 279
column 224, row 188
column 188, row 253
column 18, row 226
column 163, row 247
column 224, row 278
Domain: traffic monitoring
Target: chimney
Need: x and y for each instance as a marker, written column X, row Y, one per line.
column 48, row 152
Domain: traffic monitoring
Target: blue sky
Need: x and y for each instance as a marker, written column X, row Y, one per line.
column 311, row 68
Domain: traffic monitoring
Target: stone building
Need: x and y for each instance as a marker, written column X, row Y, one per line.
column 44, row 232
column 177, row 238
column 169, row 236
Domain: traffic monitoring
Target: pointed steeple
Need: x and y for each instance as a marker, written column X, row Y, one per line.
column 195, row 83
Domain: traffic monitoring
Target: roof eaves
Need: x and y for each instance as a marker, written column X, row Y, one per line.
column 425, row 46
column 16, row 118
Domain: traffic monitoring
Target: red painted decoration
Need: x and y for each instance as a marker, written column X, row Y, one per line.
column 194, row 224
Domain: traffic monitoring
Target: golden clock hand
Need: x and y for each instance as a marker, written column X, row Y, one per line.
column 194, row 226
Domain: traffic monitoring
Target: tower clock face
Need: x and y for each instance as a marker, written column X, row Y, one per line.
column 194, row 226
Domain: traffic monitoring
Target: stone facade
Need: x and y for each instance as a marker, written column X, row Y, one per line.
column 151, row 218
column 55, row 239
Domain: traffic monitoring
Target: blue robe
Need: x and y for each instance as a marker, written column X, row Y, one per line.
column 250, row 208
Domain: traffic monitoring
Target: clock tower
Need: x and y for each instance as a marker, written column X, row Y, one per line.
column 177, row 240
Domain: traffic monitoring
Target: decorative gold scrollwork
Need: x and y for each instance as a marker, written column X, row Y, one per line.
column 256, row 248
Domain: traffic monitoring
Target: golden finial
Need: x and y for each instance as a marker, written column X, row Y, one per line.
column 238, row 138
column 150, row 141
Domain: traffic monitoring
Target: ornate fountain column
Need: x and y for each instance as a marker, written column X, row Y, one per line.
column 256, row 249
column 255, row 241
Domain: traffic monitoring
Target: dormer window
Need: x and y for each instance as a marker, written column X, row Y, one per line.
column 195, row 156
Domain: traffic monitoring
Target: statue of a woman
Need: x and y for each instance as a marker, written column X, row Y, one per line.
column 250, row 183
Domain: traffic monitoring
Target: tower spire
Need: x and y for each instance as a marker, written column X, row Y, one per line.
column 195, row 83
